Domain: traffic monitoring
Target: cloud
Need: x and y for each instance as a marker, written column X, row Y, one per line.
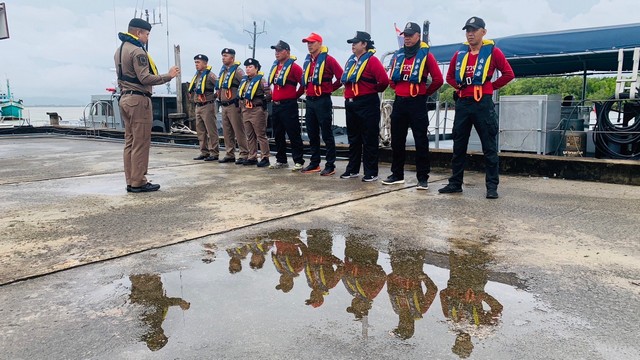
column 65, row 48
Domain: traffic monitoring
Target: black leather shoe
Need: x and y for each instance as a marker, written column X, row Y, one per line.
column 264, row 162
column 450, row 189
column 249, row 162
column 226, row 160
column 211, row 158
column 240, row 161
column 201, row 157
column 128, row 188
column 492, row 194
column 148, row 187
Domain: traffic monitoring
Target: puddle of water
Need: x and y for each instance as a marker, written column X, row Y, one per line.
column 315, row 294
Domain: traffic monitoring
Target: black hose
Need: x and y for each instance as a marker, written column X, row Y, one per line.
column 617, row 141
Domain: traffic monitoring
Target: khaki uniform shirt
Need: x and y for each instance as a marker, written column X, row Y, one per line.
column 135, row 64
column 209, row 88
column 234, row 85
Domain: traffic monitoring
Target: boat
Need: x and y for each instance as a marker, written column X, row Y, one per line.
column 10, row 109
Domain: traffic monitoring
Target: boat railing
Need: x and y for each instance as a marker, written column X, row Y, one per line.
column 100, row 112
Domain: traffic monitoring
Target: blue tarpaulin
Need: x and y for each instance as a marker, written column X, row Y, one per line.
column 562, row 52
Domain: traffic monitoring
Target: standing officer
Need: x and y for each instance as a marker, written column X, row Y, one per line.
column 363, row 78
column 137, row 73
column 202, row 91
column 232, row 126
column 254, row 94
column 409, row 74
column 318, row 71
column 475, row 63
column 285, row 75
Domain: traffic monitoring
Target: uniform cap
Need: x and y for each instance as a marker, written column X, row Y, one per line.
column 252, row 61
column 313, row 37
column 281, row 45
column 140, row 24
column 410, row 29
column 360, row 36
column 201, row 57
column 474, row 22
column 228, row 51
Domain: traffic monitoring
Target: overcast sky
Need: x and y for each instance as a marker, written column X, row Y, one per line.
column 61, row 52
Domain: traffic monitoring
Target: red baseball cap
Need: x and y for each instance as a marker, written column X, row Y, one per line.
column 312, row 38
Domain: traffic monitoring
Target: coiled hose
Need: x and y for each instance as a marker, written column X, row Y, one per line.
column 618, row 141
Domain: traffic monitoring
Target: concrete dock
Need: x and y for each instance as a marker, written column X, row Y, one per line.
column 553, row 265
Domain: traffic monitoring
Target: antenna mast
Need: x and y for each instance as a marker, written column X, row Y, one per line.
column 254, row 35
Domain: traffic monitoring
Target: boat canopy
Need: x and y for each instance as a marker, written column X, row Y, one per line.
column 562, row 52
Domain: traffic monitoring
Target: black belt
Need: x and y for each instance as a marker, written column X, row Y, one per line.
column 314, row 98
column 135, row 92
column 363, row 97
column 282, row 102
column 227, row 103
column 412, row 97
column 204, row 103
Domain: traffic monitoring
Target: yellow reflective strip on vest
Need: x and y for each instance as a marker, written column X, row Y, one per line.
column 360, row 289
column 289, row 265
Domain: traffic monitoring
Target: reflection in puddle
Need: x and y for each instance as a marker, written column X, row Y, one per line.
column 147, row 291
column 463, row 301
column 409, row 298
column 228, row 302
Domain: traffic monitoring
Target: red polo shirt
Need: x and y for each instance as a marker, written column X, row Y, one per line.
column 402, row 88
column 498, row 61
column 290, row 90
column 331, row 69
column 374, row 79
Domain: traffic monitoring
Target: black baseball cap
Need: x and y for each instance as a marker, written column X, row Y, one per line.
column 474, row 22
column 410, row 29
column 360, row 36
column 281, row 45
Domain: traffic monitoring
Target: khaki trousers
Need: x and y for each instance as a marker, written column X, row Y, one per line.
column 207, row 129
column 233, row 130
column 135, row 111
column 255, row 126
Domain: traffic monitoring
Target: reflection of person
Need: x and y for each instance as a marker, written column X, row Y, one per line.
column 319, row 69
column 202, row 92
column 411, row 67
column 236, row 255
column 363, row 277
column 363, row 78
column 408, row 297
column 255, row 94
column 258, row 250
column 287, row 256
column 322, row 268
column 232, row 127
column 464, row 298
column 209, row 253
column 147, row 291
column 475, row 64
column 285, row 75
column 137, row 73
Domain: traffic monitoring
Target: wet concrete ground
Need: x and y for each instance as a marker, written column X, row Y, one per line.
column 276, row 264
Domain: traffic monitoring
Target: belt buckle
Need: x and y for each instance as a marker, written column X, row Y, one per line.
column 350, row 100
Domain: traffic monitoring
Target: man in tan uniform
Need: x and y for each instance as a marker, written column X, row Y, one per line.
column 228, row 81
column 202, row 92
column 137, row 73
